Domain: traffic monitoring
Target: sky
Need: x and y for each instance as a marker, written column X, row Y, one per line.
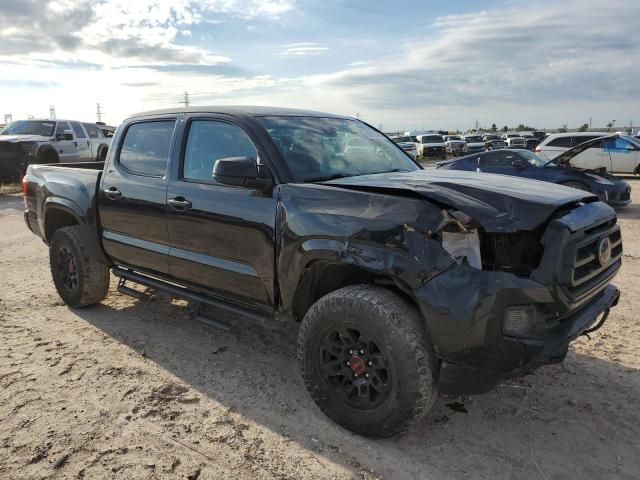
column 406, row 64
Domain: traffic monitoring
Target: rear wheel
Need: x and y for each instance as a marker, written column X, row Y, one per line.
column 577, row 185
column 366, row 361
column 80, row 279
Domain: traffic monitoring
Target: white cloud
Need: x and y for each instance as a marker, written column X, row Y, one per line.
column 303, row 50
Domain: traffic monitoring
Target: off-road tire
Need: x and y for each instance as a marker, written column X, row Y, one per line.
column 577, row 185
column 92, row 276
column 401, row 335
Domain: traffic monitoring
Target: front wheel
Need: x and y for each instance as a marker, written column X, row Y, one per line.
column 80, row 279
column 366, row 360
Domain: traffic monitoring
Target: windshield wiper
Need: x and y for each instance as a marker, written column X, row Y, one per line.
column 334, row 176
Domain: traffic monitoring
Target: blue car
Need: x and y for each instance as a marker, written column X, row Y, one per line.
column 523, row 163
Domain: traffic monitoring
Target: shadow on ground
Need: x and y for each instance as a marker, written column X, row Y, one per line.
column 565, row 421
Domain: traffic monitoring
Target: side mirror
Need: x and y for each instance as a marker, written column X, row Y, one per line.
column 67, row 135
column 239, row 171
column 518, row 164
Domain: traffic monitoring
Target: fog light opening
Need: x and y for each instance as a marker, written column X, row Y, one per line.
column 518, row 321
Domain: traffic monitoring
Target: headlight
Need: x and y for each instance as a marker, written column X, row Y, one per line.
column 460, row 237
column 29, row 148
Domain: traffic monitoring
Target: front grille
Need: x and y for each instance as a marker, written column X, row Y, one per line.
column 588, row 271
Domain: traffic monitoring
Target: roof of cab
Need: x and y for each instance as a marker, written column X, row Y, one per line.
column 239, row 110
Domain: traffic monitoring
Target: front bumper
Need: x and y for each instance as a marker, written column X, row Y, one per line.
column 464, row 311
column 618, row 198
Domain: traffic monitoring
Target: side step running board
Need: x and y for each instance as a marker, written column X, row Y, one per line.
column 182, row 292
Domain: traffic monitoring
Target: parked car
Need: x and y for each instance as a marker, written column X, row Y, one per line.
column 407, row 144
column 531, row 143
column 539, row 135
column 431, row 145
column 453, row 144
column 398, row 276
column 506, row 136
column 473, row 144
column 523, row 163
column 556, row 143
column 24, row 142
column 617, row 155
column 493, row 142
column 515, row 142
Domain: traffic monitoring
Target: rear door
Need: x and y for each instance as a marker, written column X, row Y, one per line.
column 222, row 236
column 133, row 195
column 620, row 156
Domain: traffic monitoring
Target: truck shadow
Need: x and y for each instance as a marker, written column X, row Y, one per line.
column 576, row 419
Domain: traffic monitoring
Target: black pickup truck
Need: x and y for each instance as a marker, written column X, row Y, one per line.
column 396, row 274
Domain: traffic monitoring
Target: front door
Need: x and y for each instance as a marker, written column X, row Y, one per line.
column 133, row 195
column 620, row 156
column 222, row 237
column 82, row 142
column 67, row 149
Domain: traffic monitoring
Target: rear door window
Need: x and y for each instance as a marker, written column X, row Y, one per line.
column 575, row 141
column 563, row 142
column 146, row 146
column 502, row 159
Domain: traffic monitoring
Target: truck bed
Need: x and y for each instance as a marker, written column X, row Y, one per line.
column 70, row 186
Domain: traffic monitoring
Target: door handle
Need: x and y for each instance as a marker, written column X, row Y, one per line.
column 179, row 204
column 112, row 193
column 75, row 143
column 88, row 144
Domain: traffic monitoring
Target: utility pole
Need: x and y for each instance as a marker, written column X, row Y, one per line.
column 52, row 112
column 99, row 112
column 185, row 102
column 590, row 118
column 476, row 124
column 358, row 115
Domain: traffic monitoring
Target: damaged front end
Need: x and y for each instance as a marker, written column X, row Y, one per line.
column 505, row 281
column 531, row 294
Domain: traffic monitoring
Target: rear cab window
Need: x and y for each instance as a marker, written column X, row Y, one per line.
column 146, row 147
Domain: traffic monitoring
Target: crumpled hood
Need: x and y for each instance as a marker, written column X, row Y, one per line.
column 23, row 138
column 499, row 203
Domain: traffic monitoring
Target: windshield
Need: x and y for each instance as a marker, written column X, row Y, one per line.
column 453, row 138
column 402, row 139
column 30, row 127
column 317, row 149
column 431, row 139
column 534, row 160
column 473, row 139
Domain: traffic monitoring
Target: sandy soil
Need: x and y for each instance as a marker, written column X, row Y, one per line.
column 131, row 389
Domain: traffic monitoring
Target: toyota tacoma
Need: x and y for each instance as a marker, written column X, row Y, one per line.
column 396, row 275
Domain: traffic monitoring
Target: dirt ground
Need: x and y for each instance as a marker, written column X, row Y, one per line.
column 131, row 389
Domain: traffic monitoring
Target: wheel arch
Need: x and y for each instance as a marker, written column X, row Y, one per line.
column 322, row 277
column 48, row 154
column 57, row 216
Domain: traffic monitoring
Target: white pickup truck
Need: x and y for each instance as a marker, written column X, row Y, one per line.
column 24, row 142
